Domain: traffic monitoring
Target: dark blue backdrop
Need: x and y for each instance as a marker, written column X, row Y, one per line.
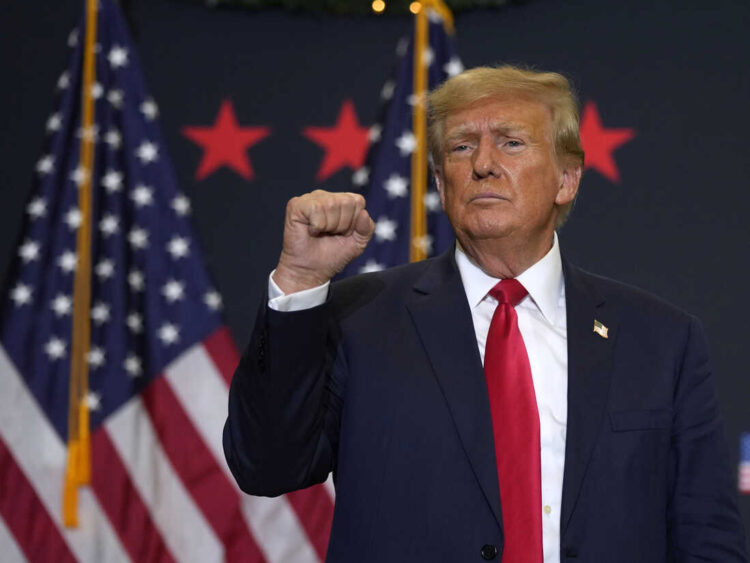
column 675, row 73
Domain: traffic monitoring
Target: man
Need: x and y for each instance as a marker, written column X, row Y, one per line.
column 554, row 416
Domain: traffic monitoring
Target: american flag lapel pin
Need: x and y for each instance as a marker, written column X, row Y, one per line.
column 600, row 329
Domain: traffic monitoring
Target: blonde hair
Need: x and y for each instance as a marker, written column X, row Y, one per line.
column 549, row 88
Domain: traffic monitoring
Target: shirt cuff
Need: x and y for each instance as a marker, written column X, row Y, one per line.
column 299, row 301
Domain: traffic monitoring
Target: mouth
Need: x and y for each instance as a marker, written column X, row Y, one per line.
column 486, row 197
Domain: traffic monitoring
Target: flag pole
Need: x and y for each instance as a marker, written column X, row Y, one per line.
column 418, row 242
column 78, row 469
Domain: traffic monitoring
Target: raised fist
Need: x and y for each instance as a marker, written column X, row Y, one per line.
column 323, row 232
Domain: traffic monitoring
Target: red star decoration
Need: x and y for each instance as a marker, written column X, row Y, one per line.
column 225, row 143
column 599, row 143
column 345, row 143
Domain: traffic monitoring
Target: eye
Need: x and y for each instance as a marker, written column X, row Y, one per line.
column 460, row 148
column 513, row 146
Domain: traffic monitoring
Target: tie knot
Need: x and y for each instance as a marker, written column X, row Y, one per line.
column 509, row 291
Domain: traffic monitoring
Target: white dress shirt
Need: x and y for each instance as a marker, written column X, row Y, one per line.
column 542, row 321
column 543, row 325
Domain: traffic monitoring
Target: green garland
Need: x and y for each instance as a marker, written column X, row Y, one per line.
column 393, row 7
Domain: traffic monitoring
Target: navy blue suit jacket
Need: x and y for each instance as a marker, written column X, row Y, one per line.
column 383, row 385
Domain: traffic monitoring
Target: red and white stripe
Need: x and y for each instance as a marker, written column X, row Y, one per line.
column 161, row 490
column 743, row 481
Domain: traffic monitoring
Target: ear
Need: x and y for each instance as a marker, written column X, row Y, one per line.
column 440, row 183
column 571, row 178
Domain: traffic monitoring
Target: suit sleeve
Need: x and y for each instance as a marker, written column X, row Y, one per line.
column 703, row 518
column 281, row 433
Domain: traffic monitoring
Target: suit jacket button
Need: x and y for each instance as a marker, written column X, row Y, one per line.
column 488, row 551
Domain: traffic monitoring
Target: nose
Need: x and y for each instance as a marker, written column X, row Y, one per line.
column 485, row 159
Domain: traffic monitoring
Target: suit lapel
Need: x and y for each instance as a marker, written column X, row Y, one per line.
column 589, row 374
column 442, row 317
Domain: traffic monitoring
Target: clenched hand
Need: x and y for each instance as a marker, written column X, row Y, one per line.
column 323, row 232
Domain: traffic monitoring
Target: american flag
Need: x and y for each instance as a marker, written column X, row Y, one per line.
column 743, row 481
column 160, row 359
column 386, row 178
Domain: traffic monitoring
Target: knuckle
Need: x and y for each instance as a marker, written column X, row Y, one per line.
column 314, row 208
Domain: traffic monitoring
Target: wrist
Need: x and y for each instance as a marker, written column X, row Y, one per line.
column 292, row 280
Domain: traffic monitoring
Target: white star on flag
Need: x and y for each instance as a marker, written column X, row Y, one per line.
column 169, row 333
column 93, row 400
column 173, row 290
column 109, row 225
column 79, row 175
column 424, row 243
column 100, row 313
column 21, row 295
column 371, row 266
column 428, row 55
column 432, row 201
column 142, row 195
column 118, row 56
column 147, row 152
column 112, row 181
column 138, row 238
column 181, row 205
column 149, row 109
column 374, row 133
column 136, row 281
column 132, row 365
column 213, row 300
column 97, row 90
column 113, row 139
column 96, row 357
column 406, row 143
column 115, row 97
column 29, row 251
column 73, row 38
column 62, row 305
column 385, row 229
column 386, row 93
column 37, row 208
column 453, row 67
column 396, row 186
column 134, row 322
column 361, row 176
column 64, row 81
column 414, row 100
column 68, row 261
column 45, row 165
column 105, row 269
column 55, row 348
column 54, row 122
column 178, row 247
column 73, row 218
column 89, row 133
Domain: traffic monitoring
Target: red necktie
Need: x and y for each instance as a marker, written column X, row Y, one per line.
column 515, row 425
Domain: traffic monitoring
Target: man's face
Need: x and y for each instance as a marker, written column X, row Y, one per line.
column 499, row 175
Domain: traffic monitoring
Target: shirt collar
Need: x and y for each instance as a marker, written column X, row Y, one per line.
column 543, row 280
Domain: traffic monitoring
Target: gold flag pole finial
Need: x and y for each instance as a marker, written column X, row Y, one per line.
column 78, row 468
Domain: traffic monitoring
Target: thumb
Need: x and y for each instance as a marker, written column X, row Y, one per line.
column 364, row 225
